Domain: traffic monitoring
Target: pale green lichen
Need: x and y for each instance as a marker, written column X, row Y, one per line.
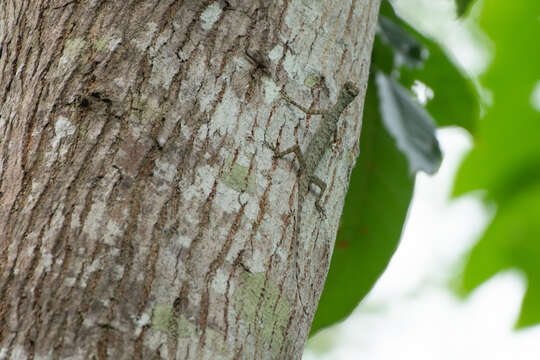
column 164, row 319
column 177, row 325
column 312, row 79
column 256, row 301
column 101, row 43
column 237, row 177
column 72, row 49
column 74, row 46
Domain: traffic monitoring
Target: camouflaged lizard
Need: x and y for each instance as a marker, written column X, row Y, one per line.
column 321, row 141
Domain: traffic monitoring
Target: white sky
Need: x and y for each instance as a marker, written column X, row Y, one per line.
column 411, row 313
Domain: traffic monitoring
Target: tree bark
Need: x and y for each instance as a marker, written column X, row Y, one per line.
column 142, row 215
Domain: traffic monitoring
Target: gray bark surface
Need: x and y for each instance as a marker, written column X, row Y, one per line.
column 141, row 214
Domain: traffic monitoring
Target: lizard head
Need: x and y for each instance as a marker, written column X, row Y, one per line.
column 350, row 89
column 346, row 95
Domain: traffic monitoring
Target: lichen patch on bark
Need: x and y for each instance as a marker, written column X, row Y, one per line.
column 262, row 304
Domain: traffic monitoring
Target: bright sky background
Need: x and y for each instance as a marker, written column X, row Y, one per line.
column 411, row 313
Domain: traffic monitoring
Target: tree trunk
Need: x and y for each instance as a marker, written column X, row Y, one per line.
column 142, row 215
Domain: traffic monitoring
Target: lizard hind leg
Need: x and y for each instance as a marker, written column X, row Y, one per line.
column 322, row 186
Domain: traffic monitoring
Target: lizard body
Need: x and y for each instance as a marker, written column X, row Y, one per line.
column 322, row 140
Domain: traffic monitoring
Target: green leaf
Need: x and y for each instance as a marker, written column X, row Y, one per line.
column 511, row 241
column 505, row 161
column 375, row 210
column 409, row 124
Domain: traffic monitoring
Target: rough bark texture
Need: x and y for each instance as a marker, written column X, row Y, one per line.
column 141, row 215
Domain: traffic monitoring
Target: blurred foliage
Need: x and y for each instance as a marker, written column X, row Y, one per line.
column 462, row 6
column 383, row 180
column 505, row 161
column 455, row 100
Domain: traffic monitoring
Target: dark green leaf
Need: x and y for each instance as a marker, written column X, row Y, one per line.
column 410, row 125
column 462, row 6
column 381, row 184
column 382, row 57
column 455, row 100
column 375, row 209
column 406, row 46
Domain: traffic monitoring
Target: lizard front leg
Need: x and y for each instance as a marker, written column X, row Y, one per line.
column 293, row 149
column 304, row 109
